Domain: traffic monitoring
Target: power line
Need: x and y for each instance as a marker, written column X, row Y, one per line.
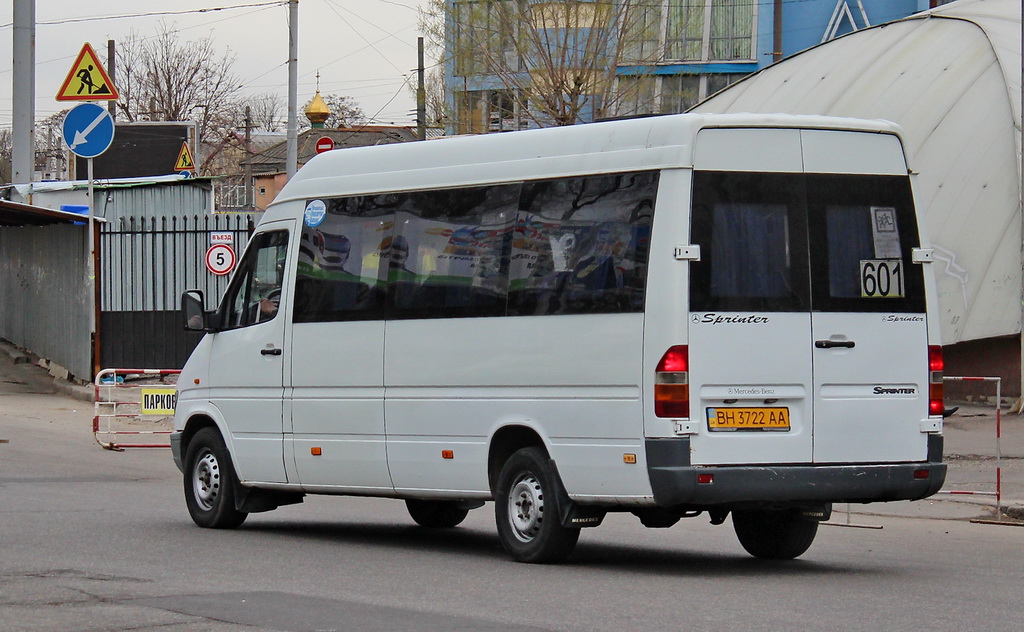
column 121, row 16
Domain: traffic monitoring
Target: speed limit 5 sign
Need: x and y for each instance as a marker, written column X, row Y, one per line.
column 220, row 259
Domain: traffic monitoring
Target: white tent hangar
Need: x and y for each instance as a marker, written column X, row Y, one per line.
column 951, row 77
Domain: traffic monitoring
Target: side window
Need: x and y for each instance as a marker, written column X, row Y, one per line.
column 340, row 271
column 580, row 245
column 752, row 234
column 448, row 255
column 255, row 292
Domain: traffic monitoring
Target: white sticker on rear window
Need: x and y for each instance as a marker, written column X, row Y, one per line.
column 885, row 232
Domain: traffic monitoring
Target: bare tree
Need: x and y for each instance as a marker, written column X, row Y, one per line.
column 557, row 61
column 163, row 78
column 266, row 112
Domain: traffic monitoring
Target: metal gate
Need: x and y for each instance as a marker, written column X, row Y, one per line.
column 145, row 265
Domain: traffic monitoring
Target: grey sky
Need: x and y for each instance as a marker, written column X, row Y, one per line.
column 365, row 49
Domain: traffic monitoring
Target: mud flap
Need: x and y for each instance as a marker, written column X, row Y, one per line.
column 574, row 515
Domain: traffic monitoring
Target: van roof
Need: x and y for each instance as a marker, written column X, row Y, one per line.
column 621, row 145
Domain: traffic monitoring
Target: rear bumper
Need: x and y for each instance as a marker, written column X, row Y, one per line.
column 675, row 482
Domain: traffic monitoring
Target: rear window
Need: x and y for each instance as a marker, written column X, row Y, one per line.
column 793, row 242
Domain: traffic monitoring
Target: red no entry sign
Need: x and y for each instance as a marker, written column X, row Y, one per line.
column 220, row 259
column 324, row 144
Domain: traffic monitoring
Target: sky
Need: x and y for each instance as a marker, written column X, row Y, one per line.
column 365, row 49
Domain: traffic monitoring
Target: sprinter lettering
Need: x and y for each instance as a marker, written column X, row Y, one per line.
column 718, row 319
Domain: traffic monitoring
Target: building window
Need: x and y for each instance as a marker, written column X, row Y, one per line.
column 644, row 28
column 484, row 36
column 481, row 111
column 679, row 93
column 637, row 95
column 732, row 26
column 692, row 30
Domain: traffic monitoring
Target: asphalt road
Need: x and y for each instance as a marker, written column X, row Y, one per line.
column 97, row 540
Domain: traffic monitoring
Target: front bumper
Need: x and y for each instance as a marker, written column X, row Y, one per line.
column 176, row 450
column 675, row 482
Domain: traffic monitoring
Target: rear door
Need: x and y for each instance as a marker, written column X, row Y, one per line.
column 868, row 321
column 749, row 333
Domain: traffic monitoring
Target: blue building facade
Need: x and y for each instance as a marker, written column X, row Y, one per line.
column 675, row 54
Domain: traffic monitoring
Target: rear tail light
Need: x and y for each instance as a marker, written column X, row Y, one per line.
column 936, row 365
column 672, row 383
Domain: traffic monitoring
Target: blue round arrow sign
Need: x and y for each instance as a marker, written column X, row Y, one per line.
column 88, row 130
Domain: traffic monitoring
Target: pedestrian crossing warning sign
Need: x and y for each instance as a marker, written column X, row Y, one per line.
column 87, row 80
column 185, row 162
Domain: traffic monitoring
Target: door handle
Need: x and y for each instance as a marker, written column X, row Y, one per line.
column 832, row 344
column 271, row 351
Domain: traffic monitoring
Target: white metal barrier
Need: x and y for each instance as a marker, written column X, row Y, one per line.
column 134, row 406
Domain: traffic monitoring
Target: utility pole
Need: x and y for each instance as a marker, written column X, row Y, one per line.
column 421, row 94
column 292, row 153
column 777, row 28
column 247, row 186
column 111, row 67
column 23, row 157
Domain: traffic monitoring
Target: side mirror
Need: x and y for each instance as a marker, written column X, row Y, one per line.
column 193, row 308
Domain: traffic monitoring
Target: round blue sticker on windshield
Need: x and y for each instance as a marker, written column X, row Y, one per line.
column 316, row 211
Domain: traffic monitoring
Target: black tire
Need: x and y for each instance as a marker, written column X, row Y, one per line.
column 436, row 514
column 526, row 509
column 774, row 535
column 210, row 482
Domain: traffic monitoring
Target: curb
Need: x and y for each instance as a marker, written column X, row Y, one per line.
column 76, row 391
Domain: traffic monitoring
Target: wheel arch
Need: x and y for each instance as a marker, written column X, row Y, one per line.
column 194, row 424
column 505, row 442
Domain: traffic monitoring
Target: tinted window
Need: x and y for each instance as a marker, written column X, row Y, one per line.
column 448, row 254
column 750, row 227
column 570, row 245
column 581, row 245
column 863, row 232
column 793, row 242
column 255, row 291
column 340, row 274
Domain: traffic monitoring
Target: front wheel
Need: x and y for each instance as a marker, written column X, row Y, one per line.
column 210, row 482
column 526, row 509
column 774, row 535
column 436, row 514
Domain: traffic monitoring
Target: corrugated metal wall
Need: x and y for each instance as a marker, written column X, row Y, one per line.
column 45, row 300
column 157, row 200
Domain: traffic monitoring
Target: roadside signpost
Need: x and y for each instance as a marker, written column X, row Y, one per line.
column 87, row 80
column 323, row 144
column 88, row 131
column 220, row 259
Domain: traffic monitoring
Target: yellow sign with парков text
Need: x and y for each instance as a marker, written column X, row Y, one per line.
column 159, row 401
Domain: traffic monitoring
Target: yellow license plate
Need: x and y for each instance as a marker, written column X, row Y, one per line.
column 731, row 419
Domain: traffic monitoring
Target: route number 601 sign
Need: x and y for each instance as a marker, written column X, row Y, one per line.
column 220, row 259
column 881, row 278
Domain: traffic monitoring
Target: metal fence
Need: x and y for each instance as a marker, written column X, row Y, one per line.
column 147, row 262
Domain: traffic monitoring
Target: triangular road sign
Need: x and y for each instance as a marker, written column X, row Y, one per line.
column 185, row 162
column 87, row 80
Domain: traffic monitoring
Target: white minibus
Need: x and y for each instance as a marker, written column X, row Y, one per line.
column 667, row 316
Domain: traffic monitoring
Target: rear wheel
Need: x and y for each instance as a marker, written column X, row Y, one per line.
column 526, row 509
column 774, row 535
column 210, row 482
column 436, row 514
